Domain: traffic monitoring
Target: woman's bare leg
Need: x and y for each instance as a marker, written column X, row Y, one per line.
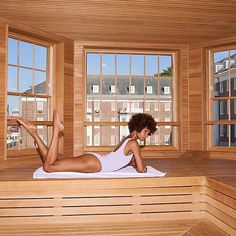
column 32, row 130
column 86, row 163
column 52, row 153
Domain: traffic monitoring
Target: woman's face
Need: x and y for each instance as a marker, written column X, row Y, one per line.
column 143, row 134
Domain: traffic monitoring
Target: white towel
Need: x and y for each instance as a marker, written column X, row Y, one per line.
column 127, row 172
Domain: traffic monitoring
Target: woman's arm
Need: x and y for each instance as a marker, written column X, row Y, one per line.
column 137, row 162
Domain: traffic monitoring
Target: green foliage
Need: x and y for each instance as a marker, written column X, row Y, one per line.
column 166, row 72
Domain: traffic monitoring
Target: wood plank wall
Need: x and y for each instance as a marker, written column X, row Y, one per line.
column 3, row 86
column 79, row 99
column 69, row 98
column 195, row 98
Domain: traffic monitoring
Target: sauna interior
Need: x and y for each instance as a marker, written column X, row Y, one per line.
column 98, row 62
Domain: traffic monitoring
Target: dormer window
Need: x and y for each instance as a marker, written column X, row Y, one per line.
column 113, row 89
column 149, row 89
column 132, row 89
column 166, row 90
column 95, row 88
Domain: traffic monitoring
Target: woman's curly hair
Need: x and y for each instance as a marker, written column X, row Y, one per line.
column 140, row 121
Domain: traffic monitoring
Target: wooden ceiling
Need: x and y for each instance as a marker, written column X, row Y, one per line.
column 149, row 21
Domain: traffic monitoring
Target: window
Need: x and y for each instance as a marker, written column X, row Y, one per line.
column 222, row 95
column 28, row 93
column 167, row 106
column 131, row 82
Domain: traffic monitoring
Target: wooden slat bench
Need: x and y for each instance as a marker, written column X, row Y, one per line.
column 147, row 228
column 106, row 203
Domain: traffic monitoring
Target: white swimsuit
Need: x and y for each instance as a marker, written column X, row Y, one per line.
column 114, row 160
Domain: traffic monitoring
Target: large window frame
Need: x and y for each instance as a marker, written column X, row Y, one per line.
column 33, row 95
column 162, row 124
column 220, row 97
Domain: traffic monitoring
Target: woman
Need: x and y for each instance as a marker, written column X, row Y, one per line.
column 128, row 151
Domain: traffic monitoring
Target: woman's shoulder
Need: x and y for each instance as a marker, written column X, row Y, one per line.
column 132, row 142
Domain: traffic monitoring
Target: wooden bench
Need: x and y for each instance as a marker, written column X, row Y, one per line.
column 173, row 200
column 147, row 228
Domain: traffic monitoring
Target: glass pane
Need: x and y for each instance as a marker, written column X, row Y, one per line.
column 40, row 57
column 151, row 65
column 25, row 81
column 123, row 85
column 26, row 54
column 137, row 87
column 165, row 135
column 153, row 139
column 41, row 109
column 136, row 106
column 108, row 64
column 166, row 65
column 123, row 110
column 93, row 85
column 108, row 86
column 40, row 81
column 151, row 92
column 93, row 64
column 220, row 137
column 12, row 51
column 166, row 87
column 43, row 133
column 26, row 141
column 233, row 135
column 233, row 82
column 137, row 65
column 28, row 105
column 88, row 136
column 108, row 111
column 13, row 105
column 123, row 64
column 13, row 137
column 221, row 60
column 96, row 136
column 220, row 110
column 123, row 132
column 12, row 79
column 221, row 84
column 233, row 109
column 108, row 135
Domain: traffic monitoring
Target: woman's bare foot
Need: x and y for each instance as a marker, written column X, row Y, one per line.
column 27, row 125
column 57, row 124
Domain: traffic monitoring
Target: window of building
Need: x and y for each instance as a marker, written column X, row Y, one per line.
column 28, row 88
column 132, row 82
column 222, row 95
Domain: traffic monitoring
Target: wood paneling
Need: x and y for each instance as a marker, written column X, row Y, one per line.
column 196, row 90
column 69, row 98
column 3, row 88
column 221, row 203
column 79, row 99
column 170, row 228
column 127, row 21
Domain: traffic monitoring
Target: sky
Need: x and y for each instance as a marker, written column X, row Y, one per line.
column 123, row 64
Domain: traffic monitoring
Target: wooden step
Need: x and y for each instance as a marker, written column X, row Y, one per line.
column 167, row 228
